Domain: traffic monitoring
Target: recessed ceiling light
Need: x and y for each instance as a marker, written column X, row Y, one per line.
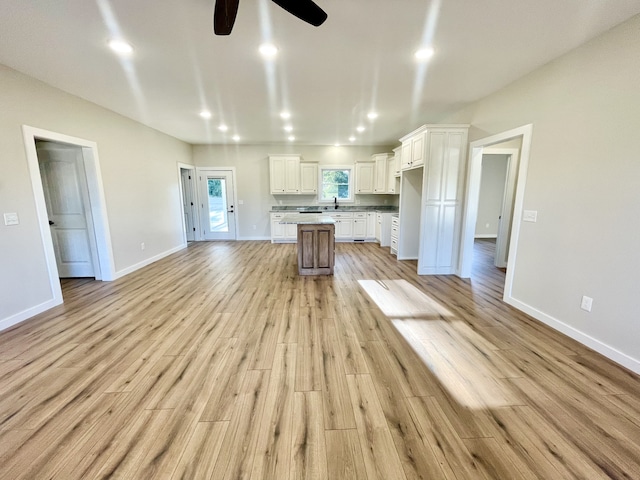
column 205, row 114
column 223, row 128
column 360, row 128
column 236, row 138
column 285, row 115
column 121, row 47
column 372, row 115
column 291, row 138
column 352, row 138
column 268, row 50
column 288, row 128
column 424, row 53
column 337, row 145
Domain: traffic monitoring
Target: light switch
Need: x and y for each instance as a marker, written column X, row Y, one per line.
column 530, row 216
column 11, row 219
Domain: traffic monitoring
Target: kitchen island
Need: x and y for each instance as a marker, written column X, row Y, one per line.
column 316, row 242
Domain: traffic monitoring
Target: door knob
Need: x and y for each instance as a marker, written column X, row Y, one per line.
column 51, row 223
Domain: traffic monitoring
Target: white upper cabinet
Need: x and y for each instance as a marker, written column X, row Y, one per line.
column 380, row 175
column 308, row 178
column 372, row 177
column 365, row 172
column 289, row 175
column 413, row 150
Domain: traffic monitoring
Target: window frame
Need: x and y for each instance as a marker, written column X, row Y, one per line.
column 322, row 169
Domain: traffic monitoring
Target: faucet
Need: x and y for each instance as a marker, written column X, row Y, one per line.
column 335, row 203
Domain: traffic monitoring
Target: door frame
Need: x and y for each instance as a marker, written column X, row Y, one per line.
column 105, row 268
column 205, row 171
column 195, row 212
column 473, row 192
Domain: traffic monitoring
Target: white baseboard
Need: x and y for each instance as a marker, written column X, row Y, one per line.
column 254, row 238
column 28, row 313
column 600, row 347
column 148, row 261
column 485, row 235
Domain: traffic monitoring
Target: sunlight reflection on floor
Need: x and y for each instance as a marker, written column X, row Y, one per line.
column 465, row 363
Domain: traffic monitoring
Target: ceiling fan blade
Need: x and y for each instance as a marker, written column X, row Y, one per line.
column 305, row 10
column 224, row 16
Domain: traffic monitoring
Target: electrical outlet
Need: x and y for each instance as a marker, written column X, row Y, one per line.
column 142, row 246
column 486, row 225
column 254, row 227
column 586, row 303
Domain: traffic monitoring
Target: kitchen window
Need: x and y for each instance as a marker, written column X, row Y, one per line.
column 336, row 182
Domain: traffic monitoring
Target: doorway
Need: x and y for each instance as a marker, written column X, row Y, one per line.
column 495, row 204
column 524, row 136
column 217, row 203
column 103, row 265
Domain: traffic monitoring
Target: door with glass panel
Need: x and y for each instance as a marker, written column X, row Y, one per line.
column 217, row 204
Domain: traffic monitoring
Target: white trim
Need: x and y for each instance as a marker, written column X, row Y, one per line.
column 254, row 238
column 105, row 270
column 600, row 347
column 485, row 235
column 28, row 313
column 148, row 261
column 465, row 258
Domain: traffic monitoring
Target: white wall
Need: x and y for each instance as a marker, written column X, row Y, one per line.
column 139, row 172
column 583, row 179
column 494, row 176
column 252, row 167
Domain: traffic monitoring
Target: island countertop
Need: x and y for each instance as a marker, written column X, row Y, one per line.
column 307, row 219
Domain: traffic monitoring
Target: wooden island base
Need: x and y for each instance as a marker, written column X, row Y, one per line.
column 316, row 249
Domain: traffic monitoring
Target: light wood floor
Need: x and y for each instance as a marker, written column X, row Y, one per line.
column 220, row 362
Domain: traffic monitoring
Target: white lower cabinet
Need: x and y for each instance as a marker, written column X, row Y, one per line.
column 372, row 219
column 383, row 228
column 359, row 226
column 344, row 226
column 395, row 227
column 282, row 233
column 349, row 226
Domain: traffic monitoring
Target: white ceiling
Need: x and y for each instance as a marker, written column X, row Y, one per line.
column 328, row 77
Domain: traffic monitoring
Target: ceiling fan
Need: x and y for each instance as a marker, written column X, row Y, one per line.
column 224, row 13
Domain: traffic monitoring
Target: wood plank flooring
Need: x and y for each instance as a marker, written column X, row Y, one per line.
column 220, row 362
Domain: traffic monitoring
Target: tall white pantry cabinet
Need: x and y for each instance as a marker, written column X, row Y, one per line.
column 442, row 160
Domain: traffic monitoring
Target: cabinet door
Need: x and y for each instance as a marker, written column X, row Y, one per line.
column 360, row 228
column 276, row 174
column 292, row 175
column 290, row 231
column 442, row 204
column 308, row 178
column 405, row 155
column 417, row 150
column 391, row 175
column 344, row 228
column 397, row 157
column 372, row 219
column 277, row 230
column 380, row 174
column 364, row 177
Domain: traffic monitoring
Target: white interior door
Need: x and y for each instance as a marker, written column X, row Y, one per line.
column 506, row 215
column 67, row 200
column 218, row 205
column 188, row 203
